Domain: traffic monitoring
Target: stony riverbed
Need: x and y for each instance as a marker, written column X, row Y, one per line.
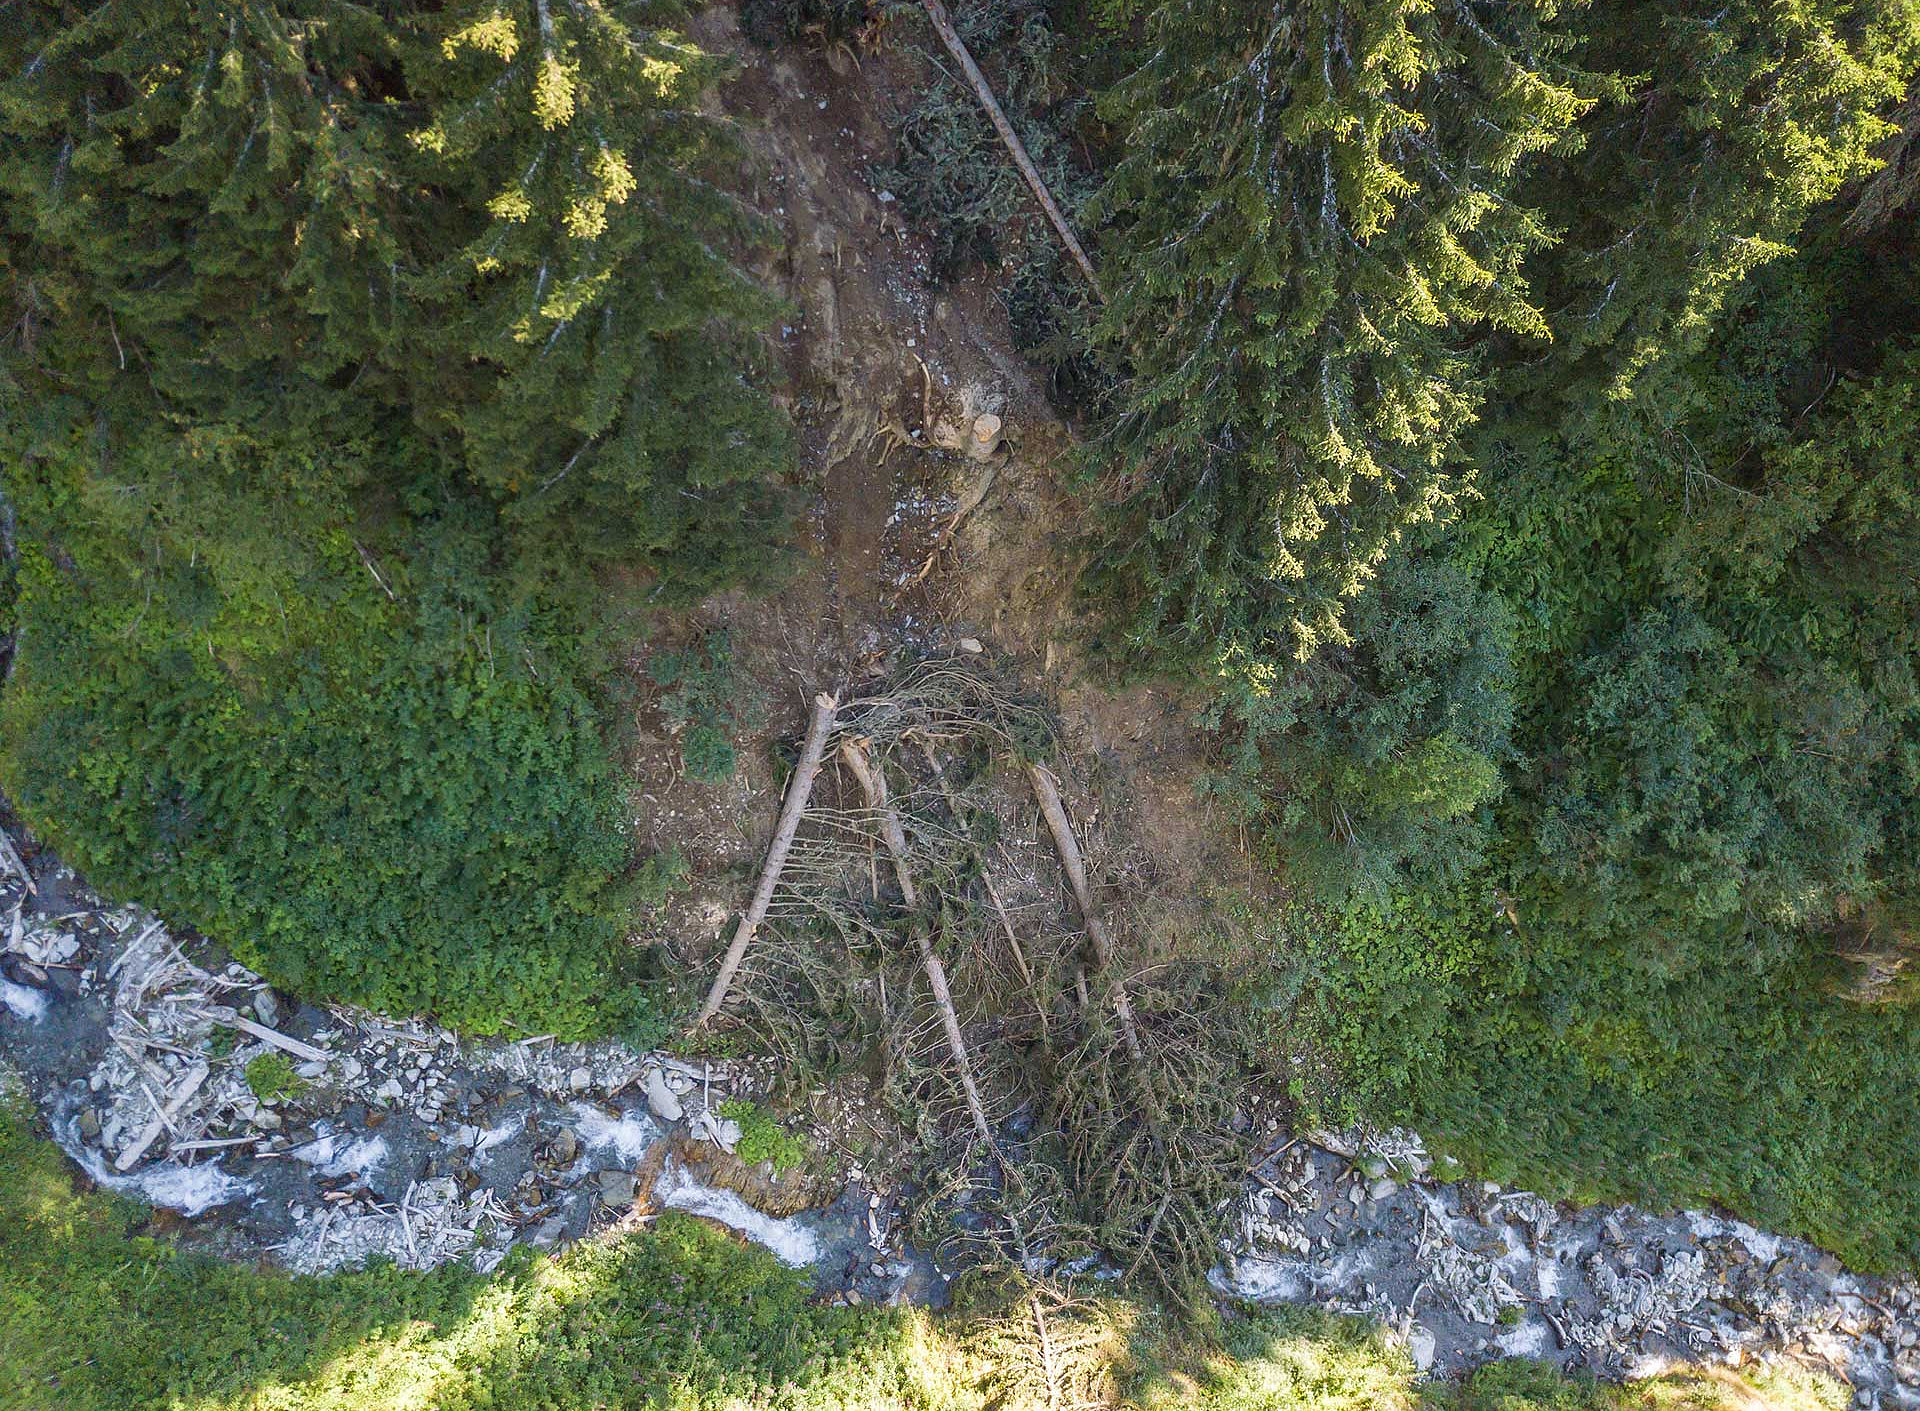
column 398, row 1140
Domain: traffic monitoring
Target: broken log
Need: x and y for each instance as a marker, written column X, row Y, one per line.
column 873, row 784
column 943, row 26
column 798, row 790
column 11, row 858
column 1048, row 795
column 151, row 1132
column 272, row 1037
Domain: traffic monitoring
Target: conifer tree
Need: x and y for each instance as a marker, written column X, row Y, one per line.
column 478, row 241
column 1733, row 122
column 1314, row 212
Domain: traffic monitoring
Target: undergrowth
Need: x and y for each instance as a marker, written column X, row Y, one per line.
column 1555, row 1061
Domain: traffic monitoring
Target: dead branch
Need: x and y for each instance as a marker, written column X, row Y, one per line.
column 798, row 788
column 11, row 858
column 943, row 26
column 873, row 784
column 993, row 893
column 164, row 1116
column 1048, row 795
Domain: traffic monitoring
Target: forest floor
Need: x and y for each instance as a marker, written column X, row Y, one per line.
column 400, row 1139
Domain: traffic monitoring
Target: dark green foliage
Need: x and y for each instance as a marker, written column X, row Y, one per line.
column 702, row 699
column 1381, row 756
column 1557, row 1057
column 358, row 814
column 1703, row 859
column 468, row 238
column 1729, row 124
column 1314, row 211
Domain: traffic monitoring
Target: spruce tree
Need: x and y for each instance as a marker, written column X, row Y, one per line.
column 482, row 241
column 1313, row 215
column 1731, row 123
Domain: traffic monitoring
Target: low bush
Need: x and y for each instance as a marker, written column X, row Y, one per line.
column 357, row 813
column 1559, row 1060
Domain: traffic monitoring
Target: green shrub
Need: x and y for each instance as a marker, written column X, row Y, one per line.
column 271, row 1077
column 702, row 697
column 762, row 1138
column 358, row 814
column 1558, row 1059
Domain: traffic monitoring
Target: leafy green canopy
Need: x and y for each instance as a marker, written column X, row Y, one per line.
column 351, row 350
column 1733, row 122
column 361, row 810
column 1315, row 206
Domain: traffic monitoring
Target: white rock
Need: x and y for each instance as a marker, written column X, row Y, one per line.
column 1422, row 1346
column 580, row 1079
column 661, row 1100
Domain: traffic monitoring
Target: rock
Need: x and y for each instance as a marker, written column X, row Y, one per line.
column 661, row 1100
column 1422, row 1346
column 547, row 1233
column 389, row 1091
column 267, row 1007
column 267, row 1120
column 1374, row 1167
column 89, row 1124
column 616, row 1188
column 1382, row 1188
column 580, row 1079
column 565, row 1147
column 311, row 1070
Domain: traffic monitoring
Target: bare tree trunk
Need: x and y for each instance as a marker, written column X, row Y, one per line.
column 1048, row 794
column 798, row 789
column 943, row 26
column 874, row 785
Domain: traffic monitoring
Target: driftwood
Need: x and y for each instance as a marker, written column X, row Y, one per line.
column 152, row 1131
column 232, row 1019
column 943, row 26
column 11, row 858
column 798, row 789
column 1048, row 795
column 874, row 785
column 993, row 892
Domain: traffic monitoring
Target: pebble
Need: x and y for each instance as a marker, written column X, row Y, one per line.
column 580, row 1079
column 616, row 1188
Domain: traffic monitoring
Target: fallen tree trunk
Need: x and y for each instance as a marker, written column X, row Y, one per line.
column 874, row 785
column 943, row 26
column 1048, row 795
column 799, row 788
